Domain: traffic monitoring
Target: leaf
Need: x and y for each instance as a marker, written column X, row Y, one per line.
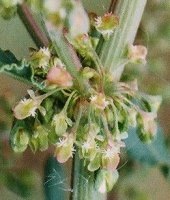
column 20, row 183
column 55, row 180
column 155, row 153
column 20, row 70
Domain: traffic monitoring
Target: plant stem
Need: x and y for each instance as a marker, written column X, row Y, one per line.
column 83, row 182
column 112, row 51
column 65, row 53
column 112, row 5
column 27, row 18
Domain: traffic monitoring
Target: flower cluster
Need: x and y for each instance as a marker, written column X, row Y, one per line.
column 93, row 122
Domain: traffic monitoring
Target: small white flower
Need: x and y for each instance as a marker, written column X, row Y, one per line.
column 41, row 58
column 28, row 107
column 106, row 24
column 65, row 148
column 99, row 101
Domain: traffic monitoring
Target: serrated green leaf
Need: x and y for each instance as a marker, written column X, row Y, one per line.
column 155, row 153
column 20, row 70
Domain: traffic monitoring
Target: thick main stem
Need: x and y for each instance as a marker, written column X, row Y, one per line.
column 83, row 182
column 112, row 51
column 27, row 18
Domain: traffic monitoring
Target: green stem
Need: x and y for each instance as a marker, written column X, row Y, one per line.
column 83, row 182
column 66, row 54
column 113, row 50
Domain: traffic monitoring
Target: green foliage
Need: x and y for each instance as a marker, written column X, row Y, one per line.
column 20, row 70
column 21, row 183
column 155, row 153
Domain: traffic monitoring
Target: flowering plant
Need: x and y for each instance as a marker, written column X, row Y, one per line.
column 78, row 102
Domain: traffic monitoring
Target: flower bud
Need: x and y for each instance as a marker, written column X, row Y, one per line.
column 132, row 117
column 60, row 122
column 106, row 180
column 39, row 139
column 110, row 117
column 154, row 102
column 60, row 77
column 88, row 72
column 137, row 54
column 88, row 149
column 95, row 163
column 19, row 137
column 64, row 148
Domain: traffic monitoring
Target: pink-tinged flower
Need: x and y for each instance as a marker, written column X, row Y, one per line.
column 106, row 24
column 64, row 148
column 28, row 107
column 110, row 155
column 110, row 158
column 137, row 54
column 148, row 123
column 60, row 77
column 99, row 101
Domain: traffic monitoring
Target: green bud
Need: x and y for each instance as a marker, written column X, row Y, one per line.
column 64, row 148
column 95, row 163
column 110, row 117
column 89, row 149
column 153, row 102
column 61, row 123
column 19, row 136
column 106, row 180
column 39, row 139
column 132, row 113
column 88, row 72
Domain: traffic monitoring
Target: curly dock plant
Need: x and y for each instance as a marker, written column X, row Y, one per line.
column 78, row 102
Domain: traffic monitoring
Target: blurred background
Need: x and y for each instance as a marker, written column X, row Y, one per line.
column 22, row 176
